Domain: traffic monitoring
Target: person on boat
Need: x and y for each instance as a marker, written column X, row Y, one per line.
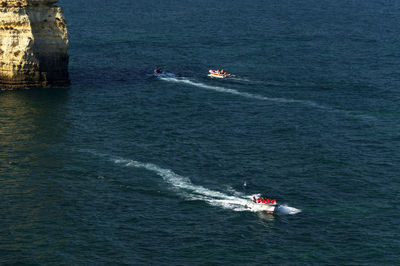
column 158, row 70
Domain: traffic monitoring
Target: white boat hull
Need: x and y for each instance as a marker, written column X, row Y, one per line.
column 262, row 207
column 218, row 76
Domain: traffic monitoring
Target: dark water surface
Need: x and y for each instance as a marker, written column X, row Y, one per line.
column 126, row 168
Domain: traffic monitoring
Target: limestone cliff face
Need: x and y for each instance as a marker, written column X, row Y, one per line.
column 33, row 44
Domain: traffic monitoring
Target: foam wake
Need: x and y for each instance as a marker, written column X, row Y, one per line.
column 264, row 98
column 185, row 188
column 165, row 75
column 284, row 209
column 239, row 93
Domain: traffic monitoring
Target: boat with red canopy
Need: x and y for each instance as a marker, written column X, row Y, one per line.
column 263, row 204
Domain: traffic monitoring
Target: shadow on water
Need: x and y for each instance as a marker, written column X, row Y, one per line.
column 104, row 76
column 32, row 128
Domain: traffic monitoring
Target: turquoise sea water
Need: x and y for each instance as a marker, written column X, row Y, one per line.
column 126, row 168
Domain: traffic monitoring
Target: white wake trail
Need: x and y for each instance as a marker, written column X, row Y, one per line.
column 243, row 94
column 185, row 188
column 264, row 98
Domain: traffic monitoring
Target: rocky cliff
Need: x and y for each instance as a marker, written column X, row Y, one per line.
column 33, row 44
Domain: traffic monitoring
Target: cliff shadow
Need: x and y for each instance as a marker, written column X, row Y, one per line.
column 50, row 43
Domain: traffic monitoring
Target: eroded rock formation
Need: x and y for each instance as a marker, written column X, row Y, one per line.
column 33, row 44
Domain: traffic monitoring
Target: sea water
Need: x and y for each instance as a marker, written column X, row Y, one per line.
column 124, row 167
